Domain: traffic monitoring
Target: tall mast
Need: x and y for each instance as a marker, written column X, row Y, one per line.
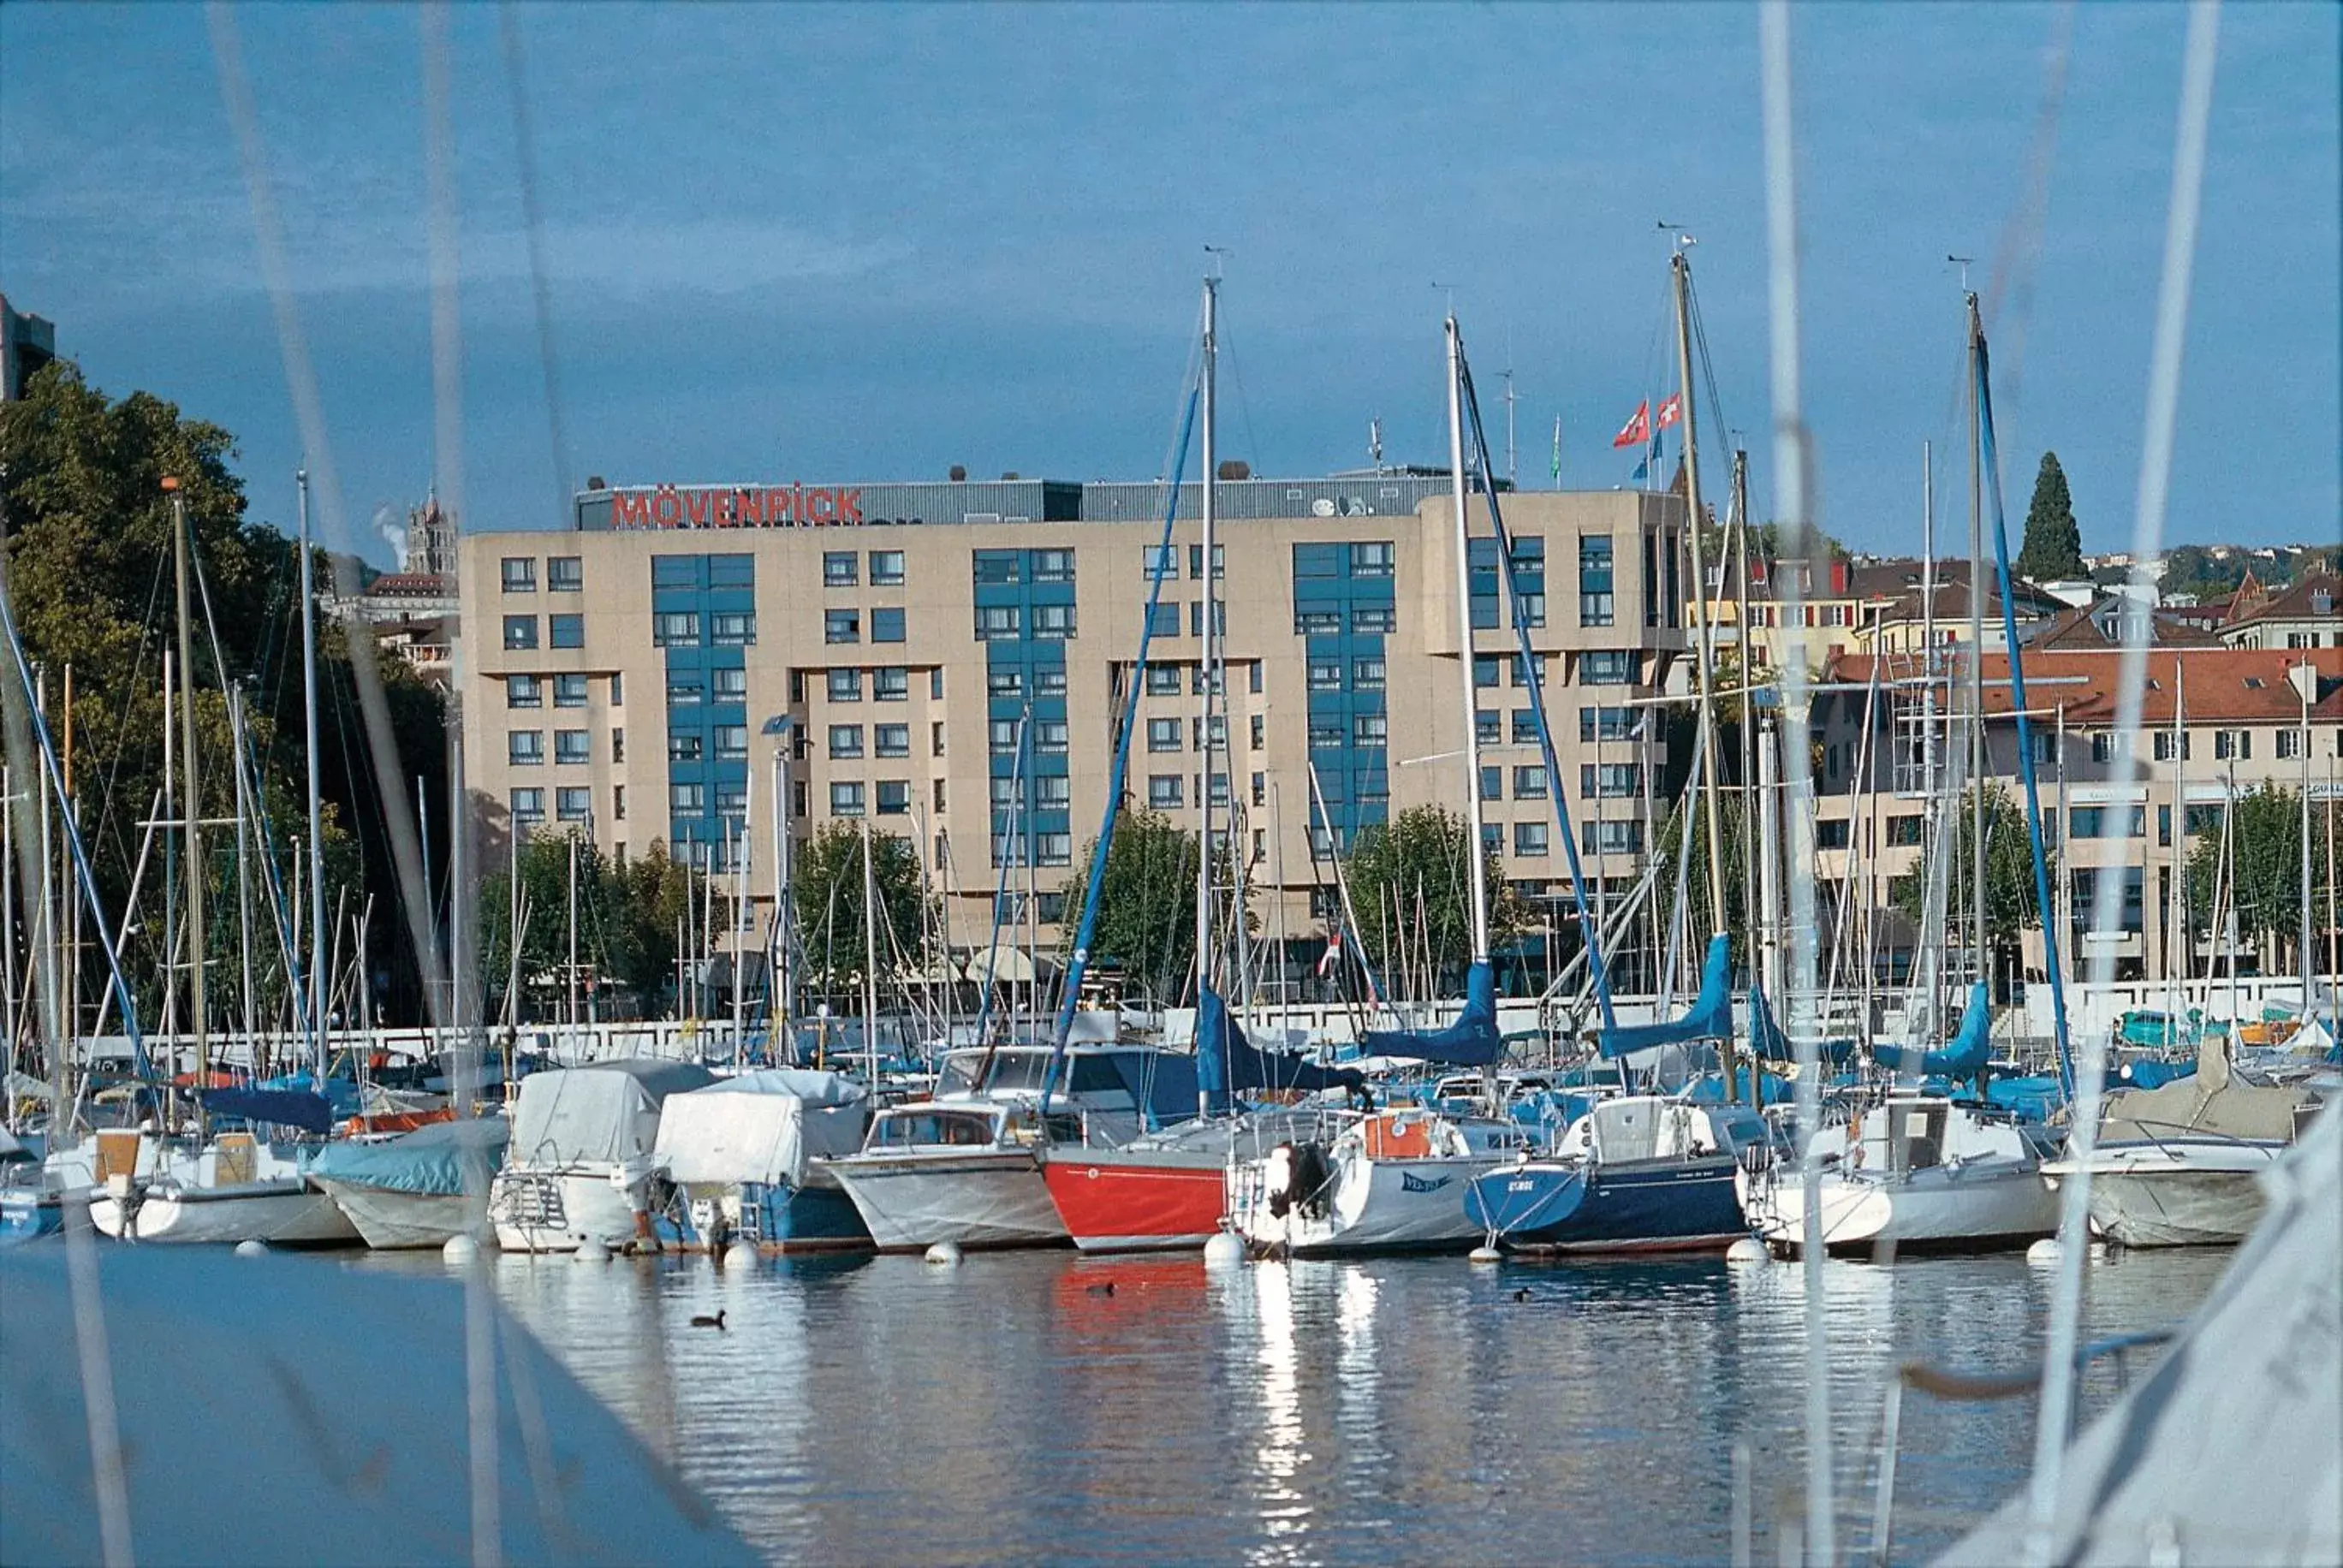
column 1474, row 852
column 870, row 960
column 1976, row 651
column 1751, row 879
column 782, row 992
column 2176, row 937
column 2307, row 688
column 1212, row 664
column 190, row 796
column 316, row 985
column 742, row 872
column 1703, row 653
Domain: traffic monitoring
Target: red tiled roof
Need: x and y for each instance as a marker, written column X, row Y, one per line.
column 2217, row 685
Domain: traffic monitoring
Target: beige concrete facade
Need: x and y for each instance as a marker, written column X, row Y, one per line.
column 922, row 713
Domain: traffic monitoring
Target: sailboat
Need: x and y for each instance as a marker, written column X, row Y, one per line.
column 1394, row 1180
column 1914, row 1167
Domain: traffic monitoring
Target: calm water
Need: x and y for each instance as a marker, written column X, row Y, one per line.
column 1013, row 1409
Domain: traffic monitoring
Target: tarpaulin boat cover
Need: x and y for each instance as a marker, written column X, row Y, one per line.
column 1771, row 1044
column 1710, row 1017
column 610, row 1110
column 282, row 1106
column 1966, row 1055
column 760, row 1127
column 1226, row 1061
column 1472, row 1040
column 2232, row 1450
column 445, row 1160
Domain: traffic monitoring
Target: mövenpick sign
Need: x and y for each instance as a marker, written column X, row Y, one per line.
column 735, row 507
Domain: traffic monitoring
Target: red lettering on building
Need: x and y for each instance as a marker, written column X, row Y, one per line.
column 630, row 509
column 823, row 505
column 772, row 507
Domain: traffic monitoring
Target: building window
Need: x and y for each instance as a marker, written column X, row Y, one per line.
column 684, row 688
column 891, row 683
column 738, row 629
column 887, row 625
column 845, row 686
column 1529, row 783
column 994, row 567
column 1196, row 562
column 674, row 629
column 565, row 574
column 1162, row 679
column 845, row 740
column 686, row 799
column 846, row 800
column 683, row 745
column 1261, row 788
column 568, row 630
column 1049, row 737
column 1373, row 619
column 886, row 568
column 936, row 742
column 1610, row 781
column 1596, row 604
column 1369, row 728
column 2233, row 744
column 1317, row 622
column 1492, row 783
column 841, row 568
column 728, row 685
column 1530, row 840
column 2164, row 747
column 1056, row 848
column 568, row 691
column 1053, row 792
column 617, row 745
column 1611, row 838
column 571, row 747
column 1525, row 728
column 841, row 625
column 731, row 742
column 520, row 574
column 732, row 800
column 894, row 797
column 1053, row 622
column 573, row 804
column 1607, row 666
column 1163, row 620
column 892, row 740
column 1163, row 735
column 1159, row 560
column 1053, row 566
column 520, row 633
column 1372, row 558
column 1008, row 680
column 998, row 622
column 2290, row 744
column 1325, row 675
column 1220, row 733
column 525, row 747
column 617, row 690
column 618, row 809
column 1326, row 735
column 528, row 808
column 1259, row 731
column 523, row 691
column 1001, row 736
column 1904, row 831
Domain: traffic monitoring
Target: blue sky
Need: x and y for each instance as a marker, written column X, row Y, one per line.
column 868, row 242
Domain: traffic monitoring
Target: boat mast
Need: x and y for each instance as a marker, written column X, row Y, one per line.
column 869, row 960
column 2176, row 934
column 1211, row 652
column 741, row 872
column 1929, row 999
column 190, row 796
column 784, row 1002
column 1474, row 852
column 1976, row 655
column 316, row 985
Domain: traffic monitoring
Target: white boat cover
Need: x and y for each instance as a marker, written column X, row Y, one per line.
column 2232, row 1450
column 760, row 1127
column 610, row 1110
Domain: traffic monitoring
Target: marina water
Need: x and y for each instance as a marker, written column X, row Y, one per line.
column 1016, row 1409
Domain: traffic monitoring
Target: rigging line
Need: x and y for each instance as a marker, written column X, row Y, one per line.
column 533, row 224
column 1236, row 373
column 2055, row 1408
column 106, row 823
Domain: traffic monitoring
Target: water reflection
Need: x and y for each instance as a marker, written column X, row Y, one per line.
column 1040, row 1406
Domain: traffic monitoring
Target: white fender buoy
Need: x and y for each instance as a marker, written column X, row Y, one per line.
column 459, row 1249
column 251, row 1248
column 741, row 1255
column 1747, row 1250
column 944, row 1254
column 1485, row 1254
column 1224, row 1251
column 2045, row 1251
column 592, row 1249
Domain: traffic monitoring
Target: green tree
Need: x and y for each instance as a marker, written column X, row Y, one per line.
column 1411, row 881
column 627, row 921
column 2264, row 833
column 1147, row 904
column 88, row 531
column 2053, row 551
column 827, row 884
column 2010, row 906
column 1702, row 917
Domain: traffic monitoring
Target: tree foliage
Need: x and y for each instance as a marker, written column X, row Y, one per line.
column 827, row 883
column 1147, row 904
column 629, row 915
column 89, row 539
column 2010, row 906
column 2265, row 832
column 1411, row 882
column 2053, row 551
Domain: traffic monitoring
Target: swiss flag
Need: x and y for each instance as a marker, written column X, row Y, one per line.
column 1326, row 965
column 1638, row 429
column 1671, row 410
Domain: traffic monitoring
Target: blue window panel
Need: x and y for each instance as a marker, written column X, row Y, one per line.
column 732, row 572
column 566, row 630
column 887, row 624
column 678, row 572
column 1163, row 620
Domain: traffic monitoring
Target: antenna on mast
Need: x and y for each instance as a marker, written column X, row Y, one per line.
column 1964, row 262
column 1375, row 441
column 1218, row 253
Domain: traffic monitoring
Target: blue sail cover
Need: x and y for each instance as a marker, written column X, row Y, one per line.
column 1226, row 1061
column 1766, row 1039
column 1710, row 1016
column 284, row 1107
column 1966, row 1055
column 444, row 1159
column 1472, row 1040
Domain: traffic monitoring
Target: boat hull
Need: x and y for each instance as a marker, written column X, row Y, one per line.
column 1376, row 1205
column 2177, row 1194
column 981, row 1197
column 26, row 1214
column 1555, row 1206
column 560, row 1211
column 816, row 1216
column 1134, row 1201
column 1980, row 1205
column 285, row 1212
column 392, row 1221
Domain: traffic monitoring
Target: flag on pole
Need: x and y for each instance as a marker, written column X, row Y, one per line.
column 1638, row 429
column 1671, row 410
